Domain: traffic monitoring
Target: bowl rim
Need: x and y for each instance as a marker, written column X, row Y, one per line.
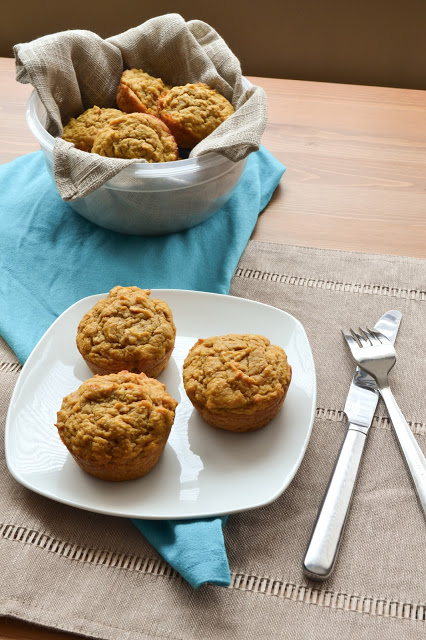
column 206, row 160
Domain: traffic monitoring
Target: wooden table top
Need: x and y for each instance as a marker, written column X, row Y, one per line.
column 355, row 158
column 355, row 179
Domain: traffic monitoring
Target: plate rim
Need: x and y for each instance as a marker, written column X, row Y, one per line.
column 206, row 514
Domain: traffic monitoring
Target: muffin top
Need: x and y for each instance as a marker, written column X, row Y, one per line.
column 125, row 329
column 136, row 135
column 138, row 91
column 195, row 108
column 115, row 418
column 237, row 373
column 81, row 131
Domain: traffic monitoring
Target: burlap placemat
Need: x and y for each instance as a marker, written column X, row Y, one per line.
column 96, row 575
column 75, row 70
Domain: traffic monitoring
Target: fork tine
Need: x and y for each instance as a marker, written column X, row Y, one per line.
column 351, row 342
column 360, row 338
column 374, row 336
column 379, row 335
column 363, row 338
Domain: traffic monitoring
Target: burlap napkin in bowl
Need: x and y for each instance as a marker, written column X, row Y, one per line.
column 74, row 70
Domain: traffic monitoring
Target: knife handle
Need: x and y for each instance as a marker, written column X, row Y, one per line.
column 330, row 523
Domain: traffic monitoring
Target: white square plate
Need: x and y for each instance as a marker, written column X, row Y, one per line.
column 203, row 471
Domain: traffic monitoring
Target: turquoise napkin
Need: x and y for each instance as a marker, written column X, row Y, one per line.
column 50, row 257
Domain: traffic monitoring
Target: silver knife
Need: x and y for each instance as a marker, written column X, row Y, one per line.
column 360, row 406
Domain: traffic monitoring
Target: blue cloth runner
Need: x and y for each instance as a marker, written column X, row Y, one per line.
column 50, row 257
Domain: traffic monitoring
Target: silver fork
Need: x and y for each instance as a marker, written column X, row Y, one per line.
column 374, row 353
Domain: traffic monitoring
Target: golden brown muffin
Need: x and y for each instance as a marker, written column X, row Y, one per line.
column 127, row 330
column 138, row 91
column 81, row 131
column 236, row 382
column 136, row 135
column 192, row 112
column 116, row 426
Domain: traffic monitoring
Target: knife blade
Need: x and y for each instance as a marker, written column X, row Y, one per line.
column 360, row 406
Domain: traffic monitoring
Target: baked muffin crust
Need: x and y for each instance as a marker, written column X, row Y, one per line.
column 127, row 330
column 117, row 426
column 82, row 131
column 136, row 135
column 237, row 381
column 138, row 91
column 193, row 111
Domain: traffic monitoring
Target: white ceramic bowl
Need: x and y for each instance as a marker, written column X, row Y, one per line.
column 150, row 199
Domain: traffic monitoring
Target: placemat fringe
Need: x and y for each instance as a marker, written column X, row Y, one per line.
column 379, row 422
column 374, row 606
column 104, row 557
column 6, row 367
column 331, row 285
column 330, row 599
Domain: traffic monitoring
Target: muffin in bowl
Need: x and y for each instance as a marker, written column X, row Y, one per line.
column 138, row 91
column 136, row 135
column 192, row 112
column 127, row 331
column 237, row 382
column 116, row 426
column 81, row 131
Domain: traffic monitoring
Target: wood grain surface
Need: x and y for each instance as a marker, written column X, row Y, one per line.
column 355, row 158
column 355, row 179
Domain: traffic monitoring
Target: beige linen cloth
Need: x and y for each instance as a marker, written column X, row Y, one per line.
column 75, row 70
column 96, row 576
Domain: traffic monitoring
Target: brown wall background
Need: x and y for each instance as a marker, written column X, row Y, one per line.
column 374, row 42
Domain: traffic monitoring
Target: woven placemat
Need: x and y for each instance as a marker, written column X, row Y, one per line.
column 96, row 576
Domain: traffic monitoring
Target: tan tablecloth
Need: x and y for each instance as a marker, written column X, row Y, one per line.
column 97, row 576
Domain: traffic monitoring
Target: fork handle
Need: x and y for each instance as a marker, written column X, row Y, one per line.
column 328, row 529
column 413, row 455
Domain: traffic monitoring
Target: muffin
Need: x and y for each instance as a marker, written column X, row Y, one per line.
column 236, row 382
column 136, row 135
column 116, row 426
column 138, row 91
column 127, row 330
column 81, row 131
column 192, row 112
